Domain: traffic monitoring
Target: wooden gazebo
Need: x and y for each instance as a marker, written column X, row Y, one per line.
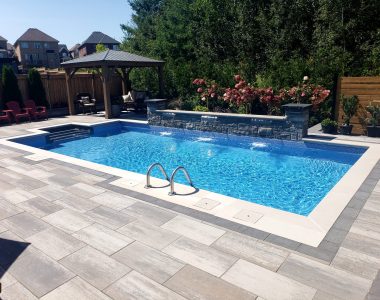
column 107, row 62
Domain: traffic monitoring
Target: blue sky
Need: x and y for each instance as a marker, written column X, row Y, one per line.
column 69, row 21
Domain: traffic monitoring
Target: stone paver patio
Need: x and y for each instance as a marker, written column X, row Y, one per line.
column 66, row 233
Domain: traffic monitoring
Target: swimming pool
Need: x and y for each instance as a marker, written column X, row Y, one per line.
column 286, row 175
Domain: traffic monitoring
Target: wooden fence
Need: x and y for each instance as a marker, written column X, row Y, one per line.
column 55, row 87
column 367, row 89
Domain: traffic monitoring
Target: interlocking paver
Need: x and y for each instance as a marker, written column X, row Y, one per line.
column 76, row 289
column 252, row 250
column 151, row 235
column 199, row 255
column 109, row 217
column 7, row 209
column 25, row 224
column 193, row 229
column 193, row 283
column 55, row 243
column 135, row 286
column 320, row 276
column 265, row 283
column 68, row 220
column 113, row 200
column 102, row 238
column 95, row 267
column 38, row 272
column 39, row 207
column 362, row 244
column 358, row 263
column 148, row 261
column 77, row 203
column 17, row 291
column 149, row 213
column 84, row 190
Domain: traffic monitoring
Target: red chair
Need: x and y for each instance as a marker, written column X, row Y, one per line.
column 5, row 115
column 37, row 112
column 17, row 112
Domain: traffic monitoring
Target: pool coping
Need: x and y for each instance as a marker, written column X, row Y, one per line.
column 312, row 232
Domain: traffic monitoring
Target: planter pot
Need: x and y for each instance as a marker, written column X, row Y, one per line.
column 329, row 129
column 346, row 129
column 116, row 110
column 373, row 131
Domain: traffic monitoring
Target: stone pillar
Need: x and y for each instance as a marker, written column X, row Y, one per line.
column 298, row 115
column 152, row 106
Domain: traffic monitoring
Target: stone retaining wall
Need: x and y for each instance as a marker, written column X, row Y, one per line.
column 292, row 126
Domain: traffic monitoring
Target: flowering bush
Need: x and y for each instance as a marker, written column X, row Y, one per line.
column 305, row 93
column 244, row 97
column 208, row 90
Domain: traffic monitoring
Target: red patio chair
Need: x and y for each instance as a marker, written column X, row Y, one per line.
column 17, row 112
column 37, row 112
column 5, row 115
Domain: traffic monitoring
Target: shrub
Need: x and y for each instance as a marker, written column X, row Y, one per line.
column 36, row 88
column 11, row 91
column 201, row 108
column 329, row 126
column 350, row 106
column 374, row 112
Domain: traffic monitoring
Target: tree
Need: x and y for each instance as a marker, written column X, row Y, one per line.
column 36, row 88
column 100, row 48
column 11, row 91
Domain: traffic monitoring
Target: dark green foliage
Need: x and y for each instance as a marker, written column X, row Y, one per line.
column 36, row 88
column 350, row 107
column 272, row 42
column 11, row 91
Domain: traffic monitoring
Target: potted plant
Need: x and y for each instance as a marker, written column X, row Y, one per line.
column 116, row 106
column 329, row 126
column 350, row 106
column 373, row 128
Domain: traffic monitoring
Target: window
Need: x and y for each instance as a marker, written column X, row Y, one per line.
column 37, row 45
column 24, row 45
column 46, row 45
column 115, row 47
column 26, row 57
column 1, row 55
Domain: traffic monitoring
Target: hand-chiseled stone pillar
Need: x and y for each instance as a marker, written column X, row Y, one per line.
column 298, row 115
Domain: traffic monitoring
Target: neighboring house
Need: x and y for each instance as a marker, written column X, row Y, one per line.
column 89, row 45
column 64, row 54
column 11, row 50
column 5, row 57
column 37, row 49
column 74, row 52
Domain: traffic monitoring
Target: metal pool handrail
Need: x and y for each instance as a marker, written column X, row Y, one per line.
column 172, row 192
column 148, row 185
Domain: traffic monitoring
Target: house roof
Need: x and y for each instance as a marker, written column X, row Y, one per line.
column 35, row 35
column 73, row 48
column 112, row 58
column 62, row 47
column 98, row 37
column 2, row 39
column 10, row 47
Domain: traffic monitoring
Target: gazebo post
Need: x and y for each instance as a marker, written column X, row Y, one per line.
column 69, row 73
column 106, row 91
column 160, row 71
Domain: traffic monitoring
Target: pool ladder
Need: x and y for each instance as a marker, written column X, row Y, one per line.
column 171, row 179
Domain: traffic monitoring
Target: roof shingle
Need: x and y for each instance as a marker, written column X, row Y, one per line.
column 35, row 35
column 98, row 37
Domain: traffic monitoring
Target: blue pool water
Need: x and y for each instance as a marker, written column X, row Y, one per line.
column 287, row 175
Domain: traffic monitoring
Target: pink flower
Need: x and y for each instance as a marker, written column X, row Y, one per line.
column 237, row 78
column 303, row 94
column 199, row 90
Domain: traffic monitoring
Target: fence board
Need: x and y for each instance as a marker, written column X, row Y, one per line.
column 367, row 89
column 55, row 87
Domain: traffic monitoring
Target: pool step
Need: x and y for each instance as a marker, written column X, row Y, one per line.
column 68, row 134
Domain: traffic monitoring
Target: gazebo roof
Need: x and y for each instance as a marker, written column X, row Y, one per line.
column 112, row 58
